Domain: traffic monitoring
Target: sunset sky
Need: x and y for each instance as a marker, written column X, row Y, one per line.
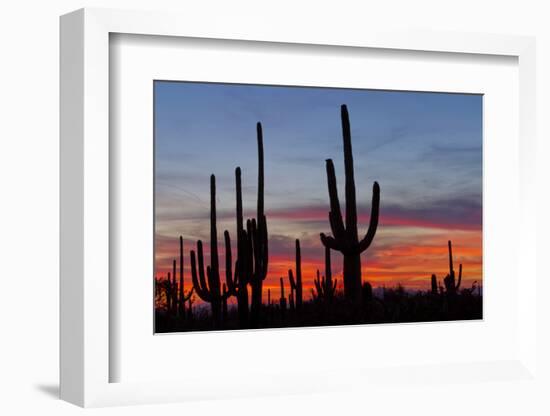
column 424, row 149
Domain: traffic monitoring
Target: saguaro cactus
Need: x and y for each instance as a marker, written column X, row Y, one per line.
column 257, row 234
column 296, row 284
column 174, row 289
column 345, row 237
column 238, row 285
column 325, row 287
column 168, row 291
column 282, row 299
column 434, row 285
column 182, row 296
column 449, row 280
column 209, row 290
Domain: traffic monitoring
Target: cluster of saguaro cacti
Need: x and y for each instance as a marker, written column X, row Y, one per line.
column 296, row 291
column 208, row 285
column 252, row 256
column 175, row 294
column 452, row 285
column 238, row 285
column 345, row 237
column 325, row 287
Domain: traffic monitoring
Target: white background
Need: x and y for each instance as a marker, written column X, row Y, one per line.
column 29, row 209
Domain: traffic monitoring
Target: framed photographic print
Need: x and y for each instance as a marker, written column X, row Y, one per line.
column 279, row 197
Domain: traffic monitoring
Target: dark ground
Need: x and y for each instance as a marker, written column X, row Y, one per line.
column 396, row 306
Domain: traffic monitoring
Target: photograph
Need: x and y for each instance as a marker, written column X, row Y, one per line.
column 291, row 206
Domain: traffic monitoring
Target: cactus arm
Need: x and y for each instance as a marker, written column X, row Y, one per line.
column 335, row 215
column 253, row 231
column 264, row 253
column 250, row 251
column 188, row 296
column 291, row 279
column 450, row 258
column 351, row 205
column 202, row 277
column 319, row 288
column 231, row 283
column 202, row 291
column 266, row 246
column 459, row 276
column 316, row 282
column 374, row 215
column 226, row 294
column 330, row 242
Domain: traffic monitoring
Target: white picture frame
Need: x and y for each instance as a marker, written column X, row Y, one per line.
column 86, row 355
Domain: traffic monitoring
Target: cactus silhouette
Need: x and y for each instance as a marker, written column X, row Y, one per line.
column 325, row 288
column 225, row 294
column 450, row 286
column 296, row 284
column 168, row 292
column 209, row 290
column 238, row 285
column 171, row 290
column 434, row 285
column 345, row 237
column 174, row 289
column 282, row 299
column 182, row 296
column 257, row 234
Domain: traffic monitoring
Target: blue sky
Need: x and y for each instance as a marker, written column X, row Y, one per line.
column 425, row 150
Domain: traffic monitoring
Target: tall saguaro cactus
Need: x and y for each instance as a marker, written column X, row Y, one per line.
column 208, row 287
column 257, row 233
column 238, row 285
column 450, row 286
column 345, row 237
column 296, row 284
column 182, row 296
